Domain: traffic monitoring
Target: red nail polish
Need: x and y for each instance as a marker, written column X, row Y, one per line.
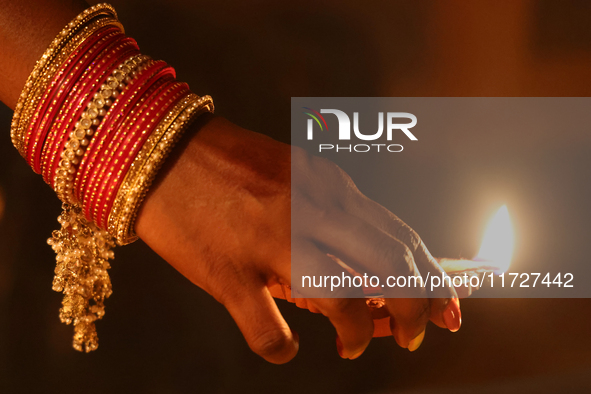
column 452, row 316
column 340, row 347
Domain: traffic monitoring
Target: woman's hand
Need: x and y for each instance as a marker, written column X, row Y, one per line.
column 220, row 213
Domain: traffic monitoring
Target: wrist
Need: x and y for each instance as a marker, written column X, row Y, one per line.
column 26, row 28
column 214, row 150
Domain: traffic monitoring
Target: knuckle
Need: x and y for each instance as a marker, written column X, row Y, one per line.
column 322, row 213
column 397, row 255
column 408, row 236
column 325, row 215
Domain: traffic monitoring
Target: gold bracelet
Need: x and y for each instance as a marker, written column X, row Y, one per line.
column 146, row 165
column 44, row 79
column 28, row 99
column 30, row 148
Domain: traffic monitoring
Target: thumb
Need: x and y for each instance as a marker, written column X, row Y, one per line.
column 262, row 325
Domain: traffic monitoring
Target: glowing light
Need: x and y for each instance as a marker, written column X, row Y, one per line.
column 497, row 244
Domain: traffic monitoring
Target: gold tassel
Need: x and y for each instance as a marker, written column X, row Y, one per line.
column 83, row 253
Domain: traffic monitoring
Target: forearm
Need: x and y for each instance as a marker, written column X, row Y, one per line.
column 26, row 29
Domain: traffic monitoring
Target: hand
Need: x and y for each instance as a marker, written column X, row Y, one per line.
column 220, row 214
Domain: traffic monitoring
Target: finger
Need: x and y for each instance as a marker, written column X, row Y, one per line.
column 409, row 317
column 344, row 306
column 384, row 219
column 278, row 291
column 266, row 332
column 368, row 250
column 352, row 320
column 312, row 274
column 366, row 244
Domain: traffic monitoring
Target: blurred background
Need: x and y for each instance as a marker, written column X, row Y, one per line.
column 161, row 334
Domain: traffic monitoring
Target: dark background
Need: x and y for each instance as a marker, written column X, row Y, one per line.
column 161, row 334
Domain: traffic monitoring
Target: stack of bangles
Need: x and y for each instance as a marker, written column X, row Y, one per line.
column 97, row 119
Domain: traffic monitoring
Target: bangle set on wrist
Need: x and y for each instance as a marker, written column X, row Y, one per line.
column 97, row 119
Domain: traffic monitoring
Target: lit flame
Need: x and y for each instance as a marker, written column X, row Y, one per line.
column 498, row 241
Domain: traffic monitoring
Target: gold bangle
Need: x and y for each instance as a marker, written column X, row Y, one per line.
column 28, row 110
column 55, row 50
column 122, row 209
column 146, row 165
column 44, row 146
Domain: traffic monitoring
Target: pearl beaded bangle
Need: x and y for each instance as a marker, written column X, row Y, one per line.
column 84, row 129
column 81, row 93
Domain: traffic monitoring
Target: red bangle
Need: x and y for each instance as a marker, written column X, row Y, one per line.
column 96, row 108
column 54, row 96
column 75, row 104
column 109, row 123
column 57, row 127
column 105, row 131
column 90, row 85
column 148, row 87
column 135, row 139
column 105, row 156
column 74, row 111
column 87, row 160
column 62, row 73
column 126, row 132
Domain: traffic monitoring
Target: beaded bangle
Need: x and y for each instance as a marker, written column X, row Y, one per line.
column 111, row 163
column 44, row 160
column 149, row 89
column 134, row 139
column 98, row 90
column 75, row 114
column 116, row 113
column 75, row 146
column 78, row 139
column 50, row 53
column 81, row 94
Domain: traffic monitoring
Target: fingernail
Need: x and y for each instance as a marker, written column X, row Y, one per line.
column 340, row 347
column 356, row 355
column 416, row 342
column 341, row 350
column 452, row 316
